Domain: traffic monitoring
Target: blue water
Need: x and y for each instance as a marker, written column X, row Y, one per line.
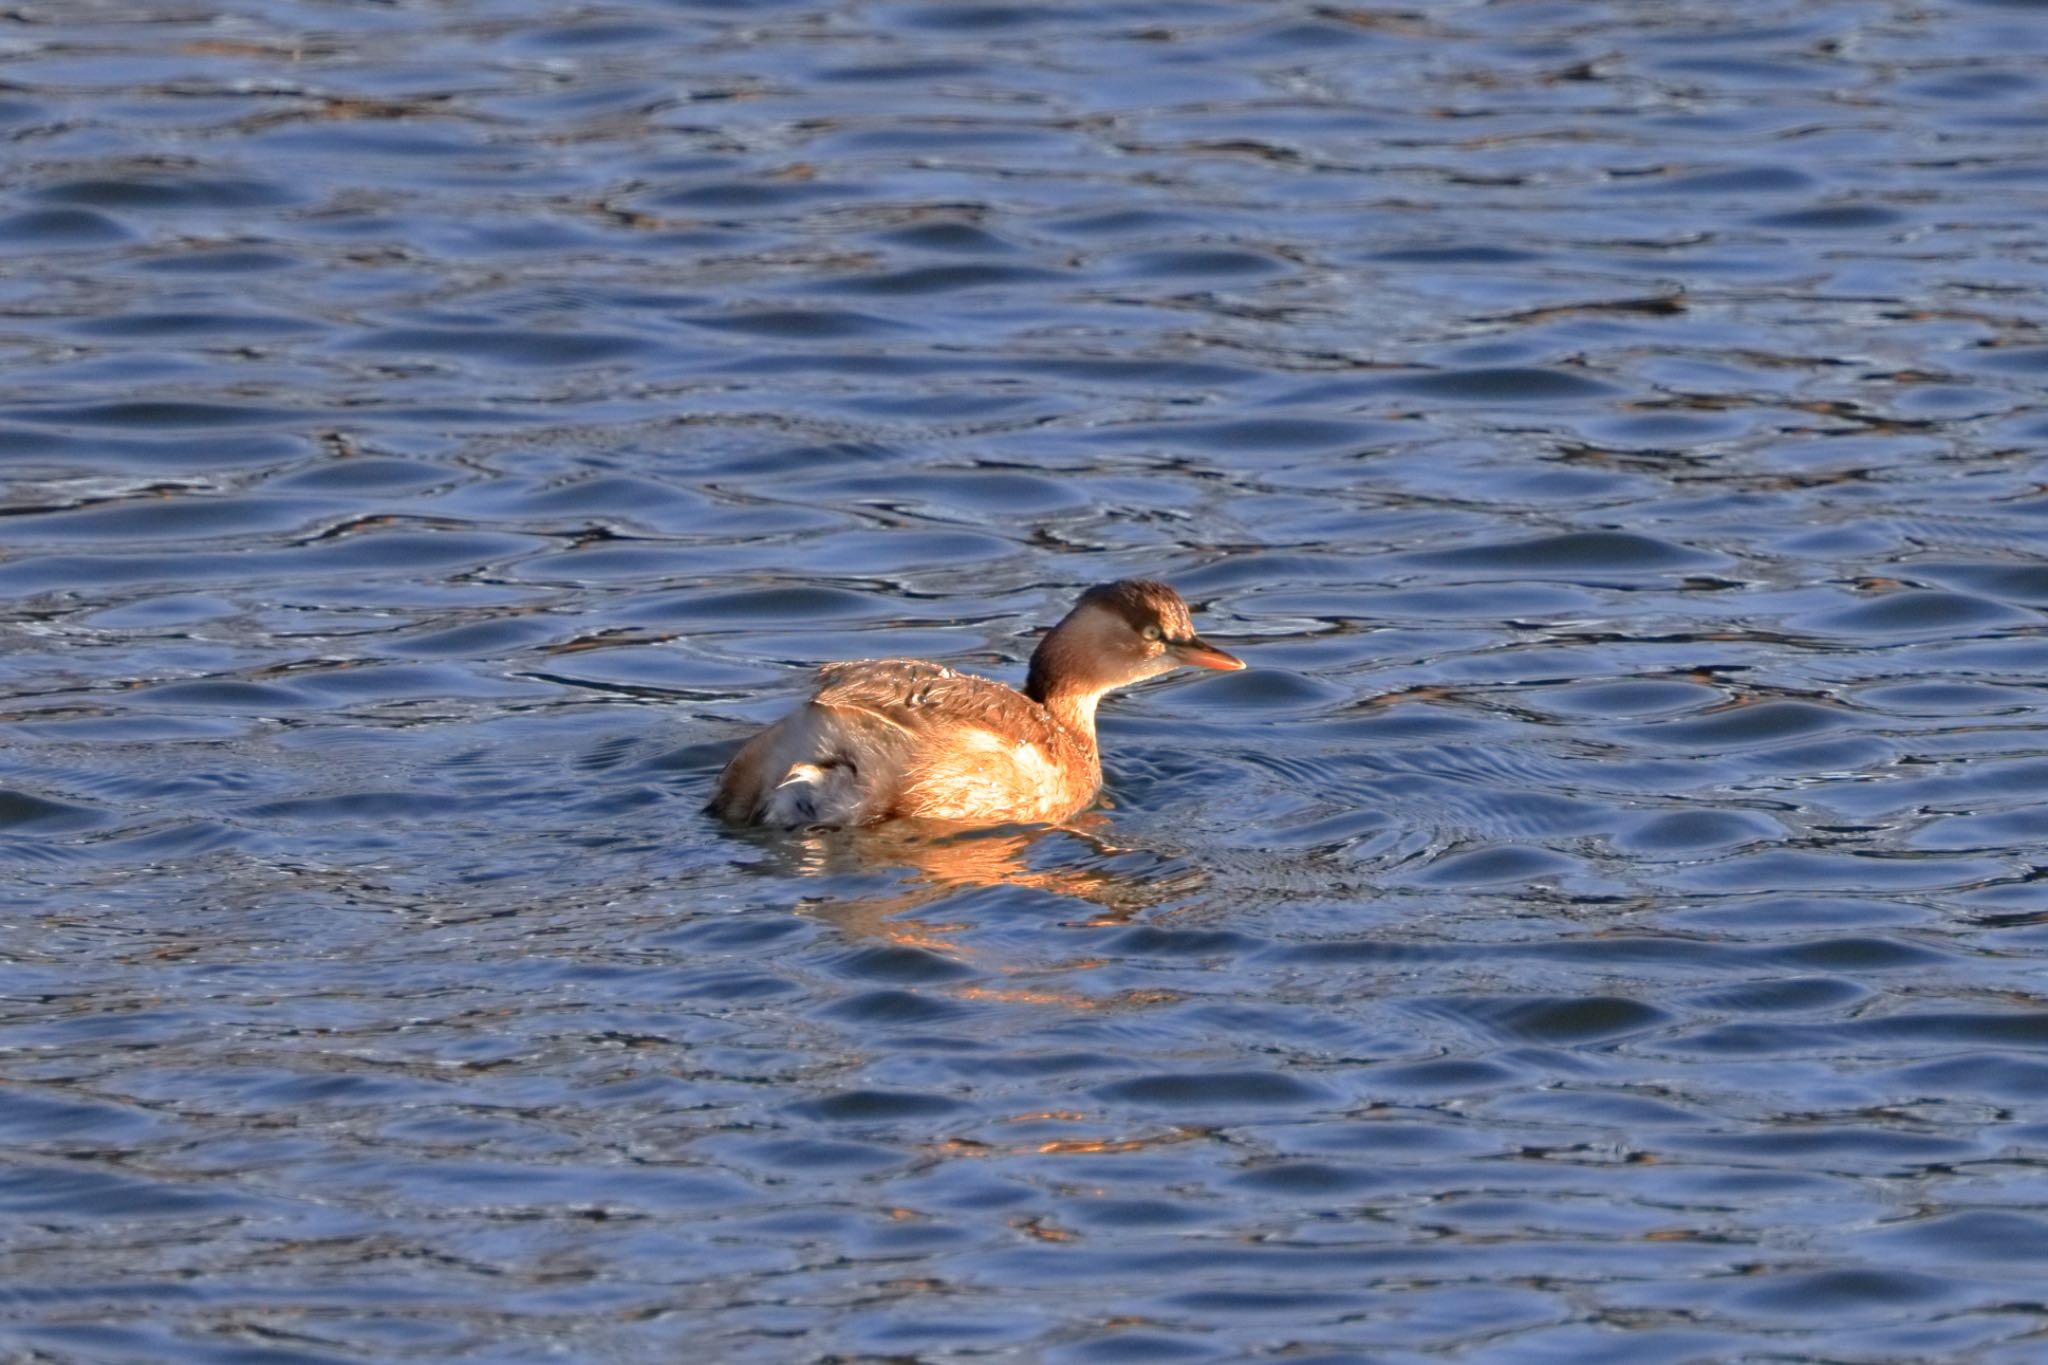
column 1606, row 923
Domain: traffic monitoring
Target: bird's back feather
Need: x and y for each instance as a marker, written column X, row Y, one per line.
column 901, row 737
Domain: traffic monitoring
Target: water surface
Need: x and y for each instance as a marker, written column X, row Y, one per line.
column 1605, row 924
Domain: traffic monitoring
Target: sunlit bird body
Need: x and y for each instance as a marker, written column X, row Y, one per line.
column 883, row 739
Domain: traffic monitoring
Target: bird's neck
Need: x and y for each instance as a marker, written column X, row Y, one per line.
column 1075, row 712
column 1058, row 683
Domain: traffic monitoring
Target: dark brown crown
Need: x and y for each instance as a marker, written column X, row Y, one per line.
column 1143, row 602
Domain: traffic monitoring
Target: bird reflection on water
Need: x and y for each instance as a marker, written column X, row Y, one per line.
column 915, row 866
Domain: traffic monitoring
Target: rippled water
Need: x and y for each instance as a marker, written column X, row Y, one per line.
column 1606, row 923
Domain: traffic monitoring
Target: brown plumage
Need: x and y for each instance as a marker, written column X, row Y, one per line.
column 886, row 738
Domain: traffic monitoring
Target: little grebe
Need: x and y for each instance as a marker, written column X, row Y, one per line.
column 887, row 738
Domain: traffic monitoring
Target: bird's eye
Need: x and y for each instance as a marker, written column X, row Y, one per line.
column 1151, row 632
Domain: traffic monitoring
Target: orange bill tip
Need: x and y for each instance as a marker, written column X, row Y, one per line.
column 1202, row 654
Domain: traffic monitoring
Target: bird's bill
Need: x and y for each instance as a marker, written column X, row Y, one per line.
column 1201, row 654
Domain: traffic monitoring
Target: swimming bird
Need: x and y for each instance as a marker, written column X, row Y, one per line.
column 882, row 739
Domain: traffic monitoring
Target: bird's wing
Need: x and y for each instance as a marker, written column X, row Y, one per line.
column 924, row 698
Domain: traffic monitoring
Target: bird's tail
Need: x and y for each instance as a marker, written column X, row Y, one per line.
column 813, row 794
